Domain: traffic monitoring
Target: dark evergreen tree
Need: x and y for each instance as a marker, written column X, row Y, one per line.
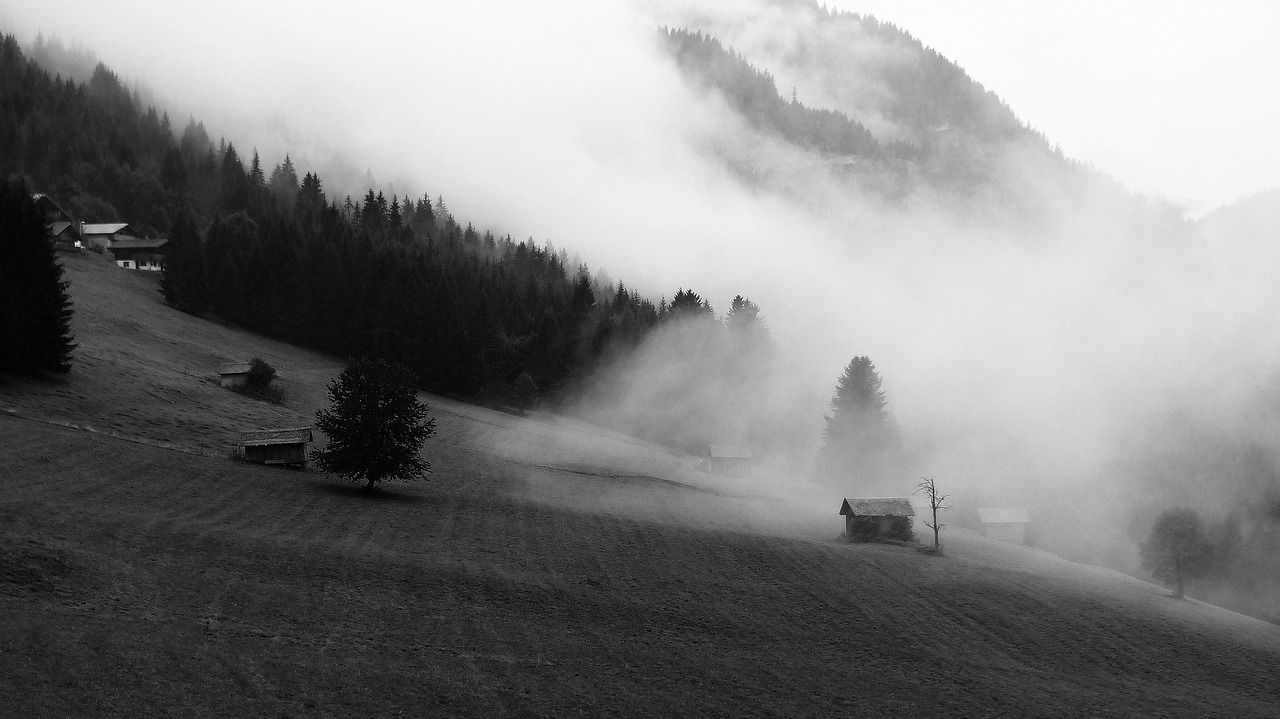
column 746, row 324
column 375, row 424
column 35, row 309
column 688, row 304
column 859, row 443
column 284, row 185
column 183, row 282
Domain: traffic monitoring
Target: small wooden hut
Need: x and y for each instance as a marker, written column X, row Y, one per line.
column 729, row 460
column 1006, row 524
column 233, row 375
column 277, row 446
column 884, row 516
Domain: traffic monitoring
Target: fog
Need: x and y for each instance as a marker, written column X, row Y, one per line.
column 1025, row 359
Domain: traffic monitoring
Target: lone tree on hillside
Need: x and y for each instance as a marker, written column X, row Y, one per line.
column 1178, row 548
column 859, row 438
column 35, row 309
column 375, row 424
column 937, row 502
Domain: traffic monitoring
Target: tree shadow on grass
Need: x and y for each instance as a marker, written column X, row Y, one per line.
column 358, row 492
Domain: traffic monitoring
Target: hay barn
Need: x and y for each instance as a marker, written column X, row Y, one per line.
column 277, row 446
column 233, row 375
column 1007, row 524
column 885, row 512
column 729, row 460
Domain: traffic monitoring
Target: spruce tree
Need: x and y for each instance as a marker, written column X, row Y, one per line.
column 859, row 441
column 35, row 309
column 375, row 424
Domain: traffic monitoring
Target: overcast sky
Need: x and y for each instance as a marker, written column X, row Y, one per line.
column 1178, row 98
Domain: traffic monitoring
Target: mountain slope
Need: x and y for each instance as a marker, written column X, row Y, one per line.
column 548, row 567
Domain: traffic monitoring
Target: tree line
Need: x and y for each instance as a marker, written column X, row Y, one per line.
column 399, row 278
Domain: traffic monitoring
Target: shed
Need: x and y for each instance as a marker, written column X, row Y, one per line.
column 1007, row 524
column 885, row 512
column 277, row 446
column 133, row 253
column 233, row 375
column 729, row 460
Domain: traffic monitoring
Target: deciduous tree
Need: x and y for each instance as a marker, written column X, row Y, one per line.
column 1178, row 548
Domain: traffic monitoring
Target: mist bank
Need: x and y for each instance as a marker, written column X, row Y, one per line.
column 1030, row 343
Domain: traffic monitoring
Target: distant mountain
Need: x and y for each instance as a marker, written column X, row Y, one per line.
column 1250, row 219
column 865, row 96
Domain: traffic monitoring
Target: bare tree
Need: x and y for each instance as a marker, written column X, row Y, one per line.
column 936, row 502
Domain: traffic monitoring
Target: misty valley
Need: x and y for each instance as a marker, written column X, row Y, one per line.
column 763, row 362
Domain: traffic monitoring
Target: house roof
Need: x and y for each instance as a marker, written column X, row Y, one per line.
column 104, row 228
column 134, row 243
column 728, row 451
column 260, row 437
column 48, row 206
column 1003, row 515
column 57, row 228
column 234, row 368
column 877, row 507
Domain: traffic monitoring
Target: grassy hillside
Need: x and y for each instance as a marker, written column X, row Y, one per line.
column 548, row 568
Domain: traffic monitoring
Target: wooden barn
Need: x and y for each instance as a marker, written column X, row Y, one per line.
column 233, row 375
column 729, row 460
column 884, row 514
column 277, row 446
column 1007, row 524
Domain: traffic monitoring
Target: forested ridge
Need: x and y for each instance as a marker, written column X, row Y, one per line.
column 949, row 131
column 398, row 278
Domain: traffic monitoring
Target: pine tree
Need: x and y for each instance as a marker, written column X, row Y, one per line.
column 35, row 309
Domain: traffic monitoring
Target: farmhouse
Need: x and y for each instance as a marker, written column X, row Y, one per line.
column 234, row 375
column 728, row 460
column 277, row 446
column 61, row 230
column 1007, row 524
column 102, row 234
column 877, row 516
column 133, row 253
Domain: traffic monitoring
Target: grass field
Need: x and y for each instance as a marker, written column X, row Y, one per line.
column 549, row 568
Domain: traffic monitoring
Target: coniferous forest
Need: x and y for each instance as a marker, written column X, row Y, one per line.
column 472, row 314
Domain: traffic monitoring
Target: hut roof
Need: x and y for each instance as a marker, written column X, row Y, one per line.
column 257, row 438
column 135, row 243
column 877, row 507
column 234, row 368
column 728, row 451
column 104, row 228
column 1003, row 515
